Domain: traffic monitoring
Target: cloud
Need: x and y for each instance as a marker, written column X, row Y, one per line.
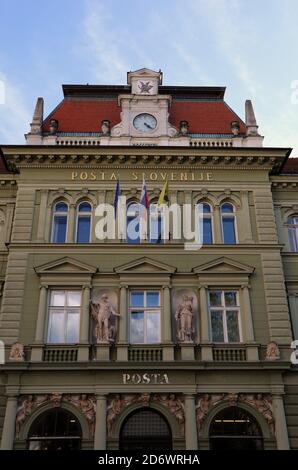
column 14, row 115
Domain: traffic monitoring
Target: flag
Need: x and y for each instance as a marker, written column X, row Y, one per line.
column 163, row 194
column 144, row 201
column 117, row 194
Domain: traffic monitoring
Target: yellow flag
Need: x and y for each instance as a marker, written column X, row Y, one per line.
column 163, row 194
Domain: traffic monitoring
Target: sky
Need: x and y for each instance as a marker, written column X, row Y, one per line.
column 251, row 47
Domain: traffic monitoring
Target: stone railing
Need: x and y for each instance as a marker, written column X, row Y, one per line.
column 150, row 354
column 60, row 354
column 229, row 354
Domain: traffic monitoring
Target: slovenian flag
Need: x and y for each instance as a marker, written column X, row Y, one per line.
column 117, row 195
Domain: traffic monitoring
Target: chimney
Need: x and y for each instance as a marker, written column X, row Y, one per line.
column 250, row 120
column 36, row 124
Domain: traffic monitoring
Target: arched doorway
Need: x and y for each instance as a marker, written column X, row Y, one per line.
column 55, row 429
column 235, row 429
column 145, row 429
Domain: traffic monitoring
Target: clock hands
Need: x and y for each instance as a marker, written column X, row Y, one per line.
column 147, row 125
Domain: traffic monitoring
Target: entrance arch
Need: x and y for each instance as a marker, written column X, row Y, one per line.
column 234, row 428
column 55, row 429
column 145, row 429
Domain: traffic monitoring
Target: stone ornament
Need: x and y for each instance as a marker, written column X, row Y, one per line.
column 184, row 320
column 87, row 406
column 102, row 312
column 184, row 127
column 117, row 402
column 105, row 127
column 260, row 401
column 272, row 351
column 27, row 404
column 17, row 352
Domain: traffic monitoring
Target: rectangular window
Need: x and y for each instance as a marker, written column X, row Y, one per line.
column 59, row 229
column 144, row 317
column 64, row 317
column 225, row 316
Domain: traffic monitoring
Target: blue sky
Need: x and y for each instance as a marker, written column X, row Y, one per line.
column 249, row 47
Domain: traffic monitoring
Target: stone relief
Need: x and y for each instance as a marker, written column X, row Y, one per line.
column 272, row 351
column 117, row 402
column 185, row 308
column 261, row 402
column 17, row 352
column 27, row 404
column 87, row 405
column 103, row 313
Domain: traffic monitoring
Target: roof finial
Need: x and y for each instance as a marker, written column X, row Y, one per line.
column 250, row 119
column 36, row 124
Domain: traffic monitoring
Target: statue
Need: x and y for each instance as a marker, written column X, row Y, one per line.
column 184, row 127
column 184, row 318
column 24, row 410
column 105, row 127
column 103, row 312
column 272, row 352
column 17, row 352
column 53, row 126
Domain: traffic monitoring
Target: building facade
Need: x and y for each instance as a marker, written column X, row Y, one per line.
column 148, row 344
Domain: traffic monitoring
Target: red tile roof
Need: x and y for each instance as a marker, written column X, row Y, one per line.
column 291, row 167
column 85, row 107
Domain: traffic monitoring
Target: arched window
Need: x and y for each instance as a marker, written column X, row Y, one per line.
column 292, row 224
column 55, row 429
column 235, row 429
column 132, row 223
column 205, row 223
column 83, row 230
column 228, row 223
column 59, row 224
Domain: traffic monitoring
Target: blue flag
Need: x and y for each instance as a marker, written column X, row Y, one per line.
column 117, row 194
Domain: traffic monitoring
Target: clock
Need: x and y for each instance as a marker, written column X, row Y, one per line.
column 145, row 122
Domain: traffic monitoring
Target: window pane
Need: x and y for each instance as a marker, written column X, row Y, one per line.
column 72, row 328
column 230, row 299
column 152, row 299
column 61, row 207
column 85, row 207
column 227, row 208
column 137, row 299
column 228, row 224
column 58, row 298
column 293, row 236
column 155, row 231
column 207, row 231
column 74, row 298
column 56, row 327
column 83, row 230
column 153, row 327
column 232, row 326
column 206, row 208
column 59, row 229
column 217, row 326
column 137, row 327
column 215, row 298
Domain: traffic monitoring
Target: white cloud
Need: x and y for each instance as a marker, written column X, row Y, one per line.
column 14, row 115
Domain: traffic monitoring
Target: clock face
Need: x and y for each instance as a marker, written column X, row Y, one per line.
column 145, row 122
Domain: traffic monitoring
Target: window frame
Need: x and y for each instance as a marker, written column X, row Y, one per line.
column 83, row 214
column 55, row 214
column 51, row 309
column 207, row 215
column 224, row 215
column 223, row 308
column 146, row 310
column 292, row 228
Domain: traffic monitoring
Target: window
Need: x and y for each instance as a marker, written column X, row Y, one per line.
column 225, row 316
column 64, row 316
column 132, row 223
column 205, row 223
column 155, row 224
column 83, row 222
column 292, row 224
column 59, row 227
column 228, row 223
column 144, row 316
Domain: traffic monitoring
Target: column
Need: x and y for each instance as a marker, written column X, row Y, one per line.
column 191, row 434
column 8, row 432
column 42, row 215
column 36, row 352
column 100, row 437
column 244, row 227
column 83, row 353
column 281, row 430
column 251, row 349
column 71, row 224
column 122, row 346
column 206, row 346
column 168, row 349
column 216, row 224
